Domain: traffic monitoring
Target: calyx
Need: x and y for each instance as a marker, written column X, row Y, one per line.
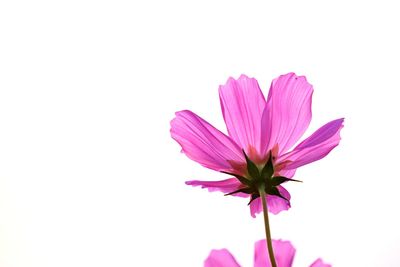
column 259, row 179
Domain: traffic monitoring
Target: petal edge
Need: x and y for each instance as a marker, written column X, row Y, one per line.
column 220, row 258
column 203, row 143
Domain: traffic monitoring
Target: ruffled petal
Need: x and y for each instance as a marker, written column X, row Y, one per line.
column 275, row 204
column 320, row 263
column 203, row 143
column 225, row 186
column 283, row 251
column 242, row 104
column 315, row 147
column 287, row 114
column 220, row 258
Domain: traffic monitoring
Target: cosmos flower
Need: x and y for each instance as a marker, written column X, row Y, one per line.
column 258, row 150
column 284, row 255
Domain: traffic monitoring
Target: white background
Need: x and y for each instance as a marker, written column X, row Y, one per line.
column 89, row 175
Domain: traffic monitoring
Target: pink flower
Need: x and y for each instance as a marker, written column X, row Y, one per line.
column 284, row 255
column 261, row 134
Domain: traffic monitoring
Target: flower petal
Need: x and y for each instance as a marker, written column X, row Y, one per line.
column 315, row 147
column 220, row 258
column 242, row 104
column 225, row 186
column 203, row 143
column 283, row 251
column 286, row 173
column 275, row 204
column 287, row 114
column 320, row 263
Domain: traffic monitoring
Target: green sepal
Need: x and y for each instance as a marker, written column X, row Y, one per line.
column 277, row 180
column 252, row 168
column 241, row 179
column 253, row 197
column 245, row 190
column 268, row 169
column 275, row 192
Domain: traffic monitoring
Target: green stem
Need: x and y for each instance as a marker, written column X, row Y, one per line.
column 267, row 230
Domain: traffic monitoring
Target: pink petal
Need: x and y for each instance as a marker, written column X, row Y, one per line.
column 220, row 258
column 287, row 173
column 242, row 104
column 287, row 113
column 320, row 263
column 283, row 251
column 275, row 204
column 225, row 186
column 315, row 147
column 203, row 143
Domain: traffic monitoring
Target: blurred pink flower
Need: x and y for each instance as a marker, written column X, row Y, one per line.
column 260, row 136
column 283, row 250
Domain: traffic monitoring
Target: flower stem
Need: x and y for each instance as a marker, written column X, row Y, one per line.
column 267, row 230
